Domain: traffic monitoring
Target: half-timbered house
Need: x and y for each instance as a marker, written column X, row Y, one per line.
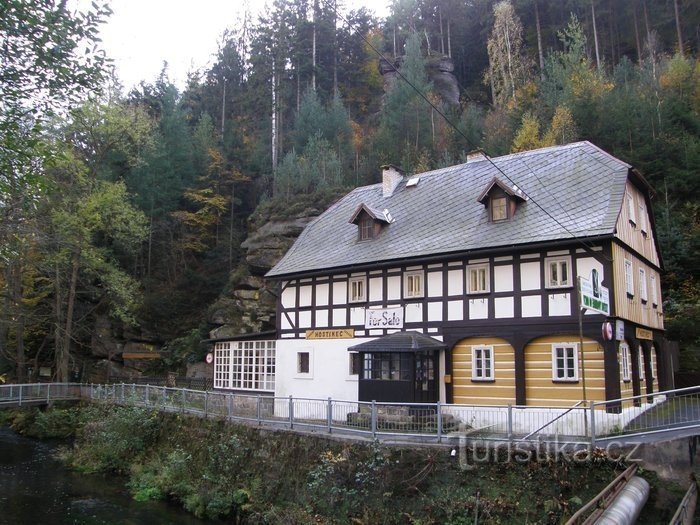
column 459, row 285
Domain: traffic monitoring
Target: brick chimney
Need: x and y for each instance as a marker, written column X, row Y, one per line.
column 391, row 178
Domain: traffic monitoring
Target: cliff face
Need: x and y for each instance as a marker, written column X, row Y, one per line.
column 248, row 303
column 439, row 71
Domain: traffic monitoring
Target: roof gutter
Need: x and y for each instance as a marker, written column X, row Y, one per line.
column 444, row 256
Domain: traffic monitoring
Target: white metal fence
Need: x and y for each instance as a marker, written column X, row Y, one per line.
column 664, row 412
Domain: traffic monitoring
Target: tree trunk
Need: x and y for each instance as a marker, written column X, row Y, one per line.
column 335, row 47
column 678, row 28
column 539, row 40
column 63, row 359
column 636, row 34
column 595, row 36
column 230, row 229
column 273, row 127
column 313, row 49
column 449, row 41
column 16, row 290
column 442, row 36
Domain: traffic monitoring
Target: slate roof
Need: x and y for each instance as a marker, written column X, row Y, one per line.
column 409, row 341
column 575, row 190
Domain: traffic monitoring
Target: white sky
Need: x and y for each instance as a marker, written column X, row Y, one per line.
column 141, row 34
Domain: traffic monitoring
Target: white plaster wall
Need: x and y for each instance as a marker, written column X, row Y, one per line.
column 504, row 307
column 435, row 284
column 340, row 292
column 455, row 310
column 503, row 278
column 478, row 308
column 322, row 318
column 435, row 311
column 339, row 317
column 305, row 319
column 375, row 289
column 289, row 295
column 322, row 295
column 530, row 276
column 455, row 282
column 531, row 306
column 393, row 288
column 413, row 313
column 305, row 295
column 329, row 365
column 559, row 304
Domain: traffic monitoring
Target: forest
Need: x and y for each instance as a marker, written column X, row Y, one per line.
column 133, row 205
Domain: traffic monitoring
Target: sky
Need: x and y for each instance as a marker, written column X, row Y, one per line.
column 141, row 34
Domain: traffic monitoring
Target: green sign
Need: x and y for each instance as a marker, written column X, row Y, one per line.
column 592, row 295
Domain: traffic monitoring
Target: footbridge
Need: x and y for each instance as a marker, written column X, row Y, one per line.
column 623, row 422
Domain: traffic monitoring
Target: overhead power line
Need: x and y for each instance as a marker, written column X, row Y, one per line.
column 471, row 145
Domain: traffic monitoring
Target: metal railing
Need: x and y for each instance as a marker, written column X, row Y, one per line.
column 667, row 412
column 686, row 510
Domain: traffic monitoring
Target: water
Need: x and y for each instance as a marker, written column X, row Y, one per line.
column 36, row 489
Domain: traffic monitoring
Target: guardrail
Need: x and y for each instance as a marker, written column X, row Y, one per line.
column 685, row 514
column 435, row 422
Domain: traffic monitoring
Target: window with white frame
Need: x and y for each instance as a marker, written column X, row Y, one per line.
column 413, row 284
column 558, row 272
column 482, row 363
column 642, row 217
column 652, row 363
column 630, row 208
column 654, row 292
column 357, row 289
column 625, row 361
column 245, row 365
column 478, row 278
column 565, row 362
column 629, row 278
column 643, row 285
column 640, row 362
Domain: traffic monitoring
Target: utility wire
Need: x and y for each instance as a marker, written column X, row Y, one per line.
column 586, row 245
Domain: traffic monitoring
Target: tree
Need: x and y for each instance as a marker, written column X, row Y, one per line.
column 509, row 68
column 49, row 60
column 528, row 136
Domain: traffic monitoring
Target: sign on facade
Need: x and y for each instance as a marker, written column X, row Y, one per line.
column 592, row 295
column 342, row 333
column 384, row 318
column 643, row 333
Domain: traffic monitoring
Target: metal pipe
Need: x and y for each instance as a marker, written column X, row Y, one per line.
column 625, row 508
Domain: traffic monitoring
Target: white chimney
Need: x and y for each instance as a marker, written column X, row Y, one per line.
column 391, row 178
column 476, row 155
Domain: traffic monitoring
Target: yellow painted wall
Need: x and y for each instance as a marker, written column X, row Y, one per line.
column 542, row 390
column 469, row 392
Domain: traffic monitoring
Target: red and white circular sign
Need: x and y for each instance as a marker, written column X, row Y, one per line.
column 210, row 358
column 607, row 330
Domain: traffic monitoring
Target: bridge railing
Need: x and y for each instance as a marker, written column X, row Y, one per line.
column 33, row 393
column 628, row 417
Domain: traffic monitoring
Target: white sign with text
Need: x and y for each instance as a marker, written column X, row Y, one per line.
column 384, row 318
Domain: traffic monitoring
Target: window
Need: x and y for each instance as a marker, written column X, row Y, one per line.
column 366, row 230
column 629, row 279
column 652, row 363
column 558, row 272
column 245, row 365
column 413, row 284
column 482, row 363
column 499, row 209
column 392, row 366
column 630, row 208
column 565, row 362
column 625, row 361
column 303, row 362
column 478, row 278
column 642, row 285
column 642, row 217
column 354, row 364
column 357, row 289
column 654, row 293
column 640, row 362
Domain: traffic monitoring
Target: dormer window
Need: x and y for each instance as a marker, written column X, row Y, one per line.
column 501, row 200
column 369, row 221
column 366, row 228
column 499, row 208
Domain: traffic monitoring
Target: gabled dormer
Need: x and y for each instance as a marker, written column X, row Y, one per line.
column 501, row 200
column 369, row 221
